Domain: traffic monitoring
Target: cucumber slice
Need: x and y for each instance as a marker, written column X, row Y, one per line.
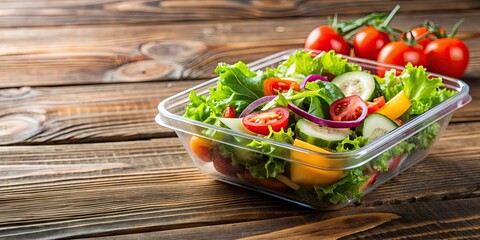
column 321, row 136
column 356, row 83
column 376, row 125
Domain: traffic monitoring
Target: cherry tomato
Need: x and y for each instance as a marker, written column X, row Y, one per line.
column 229, row 112
column 221, row 163
column 447, row 56
column 400, row 53
column 371, row 180
column 375, row 105
column 272, row 86
column 347, row 108
column 420, row 32
column 394, row 163
column 368, row 42
column 325, row 38
column 201, row 148
column 258, row 122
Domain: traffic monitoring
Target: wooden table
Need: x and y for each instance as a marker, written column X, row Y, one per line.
column 82, row 157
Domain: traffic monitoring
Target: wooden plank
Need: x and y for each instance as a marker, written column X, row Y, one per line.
column 104, row 53
column 48, row 13
column 433, row 220
column 108, row 112
column 130, row 187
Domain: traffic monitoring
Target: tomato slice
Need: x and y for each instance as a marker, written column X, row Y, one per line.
column 375, row 105
column 347, row 109
column 229, row 112
column 272, row 86
column 201, row 148
column 258, row 122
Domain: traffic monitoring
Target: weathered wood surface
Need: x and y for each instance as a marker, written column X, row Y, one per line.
column 79, row 85
column 105, row 54
column 422, row 220
column 51, row 13
column 125, row 187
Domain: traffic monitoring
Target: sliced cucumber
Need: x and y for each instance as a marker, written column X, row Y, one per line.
column 356, row 83
column 376, row 125
column 321, row 136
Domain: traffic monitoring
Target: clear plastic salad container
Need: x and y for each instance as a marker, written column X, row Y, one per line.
column 341, row 178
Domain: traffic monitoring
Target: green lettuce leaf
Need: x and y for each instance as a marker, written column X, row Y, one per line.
column 269, row 166
column 241, row 80
column 297, row 66
column 351, row 143
column 424, row 92
column 344, row 189
column 337, row 65
column 380, row 163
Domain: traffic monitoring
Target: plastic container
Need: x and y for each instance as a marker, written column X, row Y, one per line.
column 172, row 109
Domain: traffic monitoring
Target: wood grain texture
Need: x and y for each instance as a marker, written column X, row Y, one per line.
column 456, row 219
column 51, row 13
column 81, row 190
column 181, row 50
column 108, row 112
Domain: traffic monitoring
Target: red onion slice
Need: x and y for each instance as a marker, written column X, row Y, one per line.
column 329, row 123
column 252, row 106
column 312, row 78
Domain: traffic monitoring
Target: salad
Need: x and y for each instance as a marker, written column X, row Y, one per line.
column 320, row 102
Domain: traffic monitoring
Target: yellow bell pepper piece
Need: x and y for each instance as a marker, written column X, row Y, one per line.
column 305, row 175
column 396, row 106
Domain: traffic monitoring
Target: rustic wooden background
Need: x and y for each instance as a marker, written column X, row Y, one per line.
column 82, row 157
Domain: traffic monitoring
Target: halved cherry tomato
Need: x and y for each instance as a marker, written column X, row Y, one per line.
column 375, row 105
column 201, row 148
column 272, row 86
column 326, row 38
column 229, row 112
column 258, row 122
column 368, row 42
column 400, row 53
column 347, row 108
